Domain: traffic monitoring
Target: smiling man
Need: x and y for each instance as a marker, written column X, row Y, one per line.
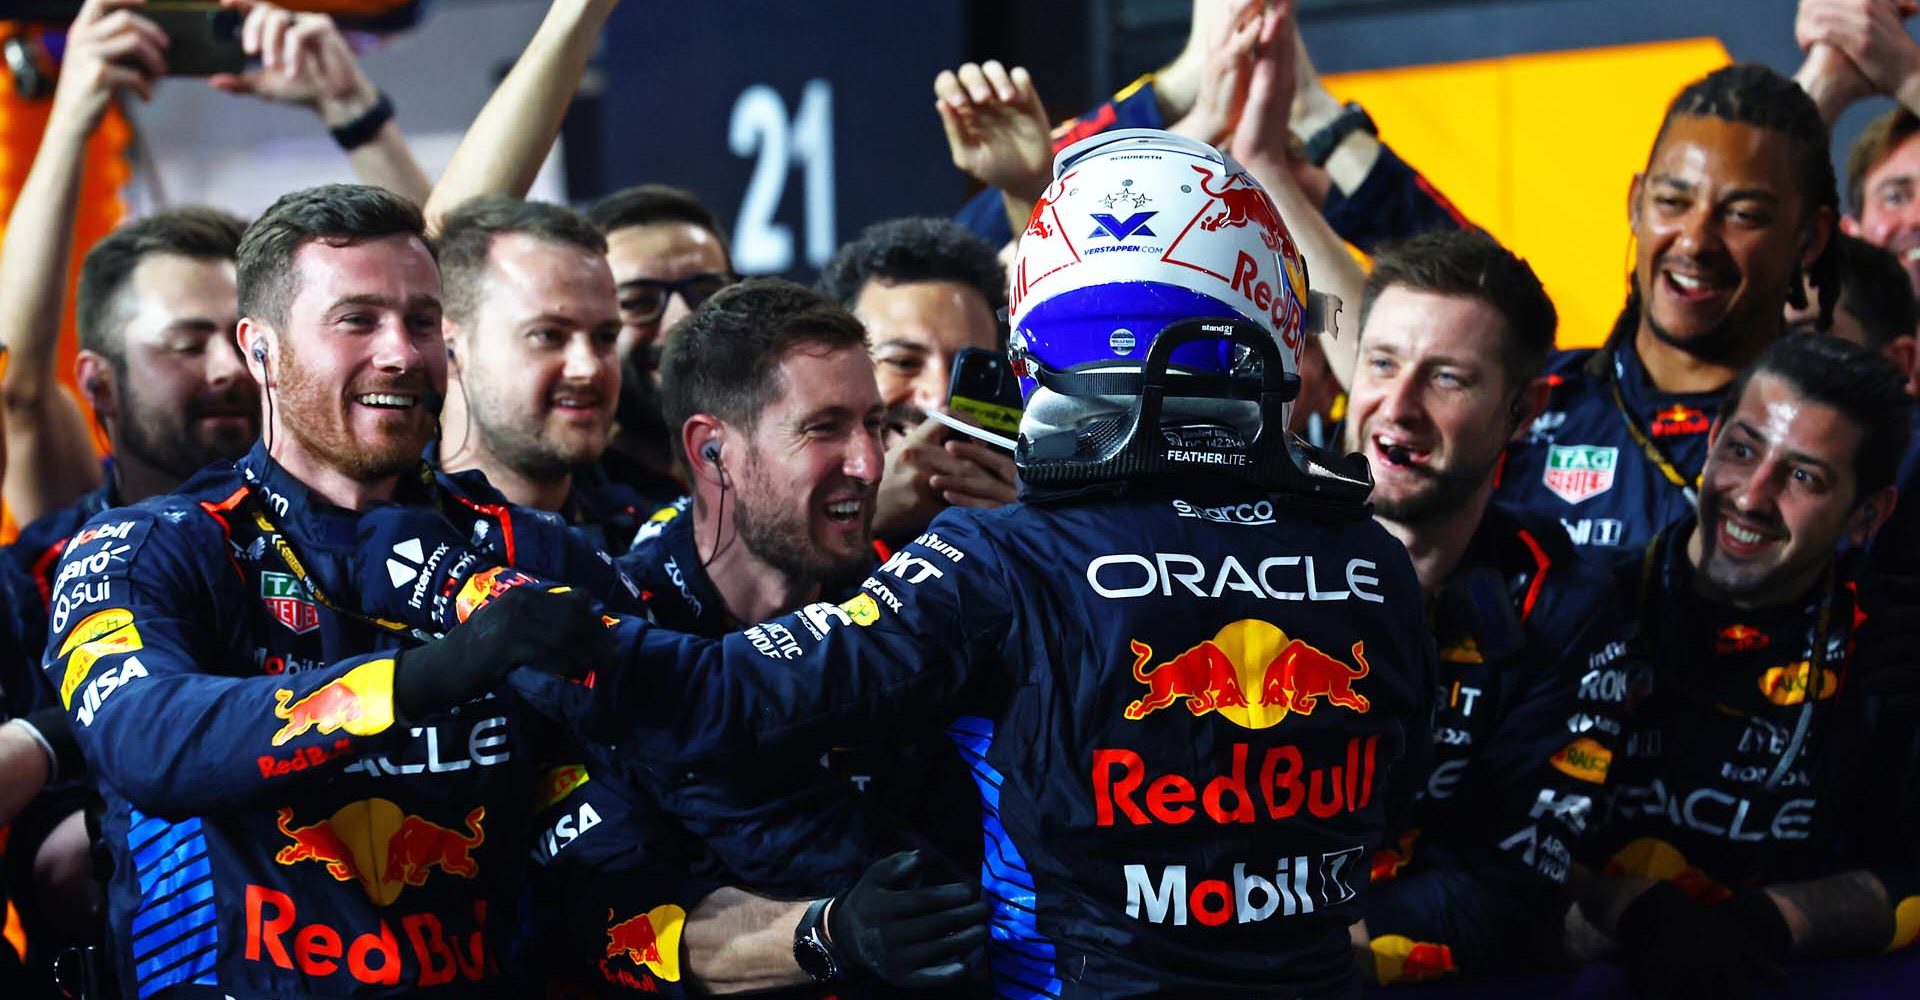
column 531, row 331
column 1737, row 203
column 1759, row 807
column 1454, row 330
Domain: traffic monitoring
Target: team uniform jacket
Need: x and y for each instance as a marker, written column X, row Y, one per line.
column 1582, row 466
column 1723, row 781
column 1186, row 749
column 1533, row 667
column 27, row 570
column 276, row 830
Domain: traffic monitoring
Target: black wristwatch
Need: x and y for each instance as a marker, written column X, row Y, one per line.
column 810, row 948
column 366, row 128
column 1321, row 144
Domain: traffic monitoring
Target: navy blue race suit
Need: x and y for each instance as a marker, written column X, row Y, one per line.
column 1534, row 656
column 1585, row 462
column 1724, row 780
column 1186, row 750
column 276, row 829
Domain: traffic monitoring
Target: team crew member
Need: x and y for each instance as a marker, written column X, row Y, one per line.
column 1454, row 330
column 311, row 819
column 1185, row 752
column 1736, row 204
column 531, row 326
column 1773, row 802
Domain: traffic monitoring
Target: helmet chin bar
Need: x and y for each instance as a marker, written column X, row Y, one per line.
column 1143, row 448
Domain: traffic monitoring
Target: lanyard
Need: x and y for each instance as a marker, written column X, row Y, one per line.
column 1654, row 455
column 1816, row 663
column 248, row 500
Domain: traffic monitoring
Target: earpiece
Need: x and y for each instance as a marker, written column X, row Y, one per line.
column 93, row 384
column 711, row 452
column 260, row 350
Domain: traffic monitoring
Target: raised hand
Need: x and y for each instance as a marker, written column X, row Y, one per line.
column 304, row 60
column 1227, row 61
column 110, row 48
column 997, row 129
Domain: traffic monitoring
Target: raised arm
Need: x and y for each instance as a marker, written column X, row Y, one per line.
column 306, row 61
column 504, row 148
column 1260, row 142
column 50, row 456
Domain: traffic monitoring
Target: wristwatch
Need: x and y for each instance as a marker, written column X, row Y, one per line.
column 1321, row 144
column 810, row 948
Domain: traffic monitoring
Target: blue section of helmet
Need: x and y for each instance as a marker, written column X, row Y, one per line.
column 1116, row 323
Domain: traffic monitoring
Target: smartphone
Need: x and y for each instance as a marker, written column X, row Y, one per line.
column 202, row 38
column 984, row 390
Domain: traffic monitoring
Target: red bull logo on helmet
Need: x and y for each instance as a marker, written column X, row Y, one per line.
column 1251, row 673
column 650, row 940
column 382, row 847
column 360, row 702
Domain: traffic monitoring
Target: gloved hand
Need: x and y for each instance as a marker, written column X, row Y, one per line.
column 911, row 934
column 1675, row 946
column 554, row 629
column 413, row 566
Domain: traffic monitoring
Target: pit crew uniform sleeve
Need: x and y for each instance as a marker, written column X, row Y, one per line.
column 136, row 660
column 1487, row 904
column 1394, row 202
column 824, row 672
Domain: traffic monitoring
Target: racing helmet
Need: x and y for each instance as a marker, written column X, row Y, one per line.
column 1157, row 312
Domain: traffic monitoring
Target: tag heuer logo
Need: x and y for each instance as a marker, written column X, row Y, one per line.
column 287, row 601
column 1576, row 472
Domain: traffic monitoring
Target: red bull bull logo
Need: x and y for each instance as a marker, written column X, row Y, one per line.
column 1285, row 675
column 482, row 587
column 360, row 702
column 1243, row 204
column 1679, row 421
column 1651, row 857
column 650, row 940
column 1735, row 639
column 383, row 848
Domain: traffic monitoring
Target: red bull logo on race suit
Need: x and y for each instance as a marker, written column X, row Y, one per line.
column 360, row 702
column 650, row 940
column 382, row 847
column 1250, row 673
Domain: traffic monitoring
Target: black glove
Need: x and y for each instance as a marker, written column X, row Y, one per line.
column 911, row 934
column 55, row 736
column 557, row 630
column 1675, row 946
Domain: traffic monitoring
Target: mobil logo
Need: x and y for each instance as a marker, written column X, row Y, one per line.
column 1251, row 673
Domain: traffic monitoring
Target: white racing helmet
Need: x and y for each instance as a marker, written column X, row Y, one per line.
column 1157, row 311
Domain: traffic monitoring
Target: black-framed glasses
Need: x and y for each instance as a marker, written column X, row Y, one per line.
column 645, row 299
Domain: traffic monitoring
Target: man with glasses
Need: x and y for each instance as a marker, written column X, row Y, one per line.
column 668, row 256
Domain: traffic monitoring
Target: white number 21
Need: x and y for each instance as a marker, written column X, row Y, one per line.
column 759, row 127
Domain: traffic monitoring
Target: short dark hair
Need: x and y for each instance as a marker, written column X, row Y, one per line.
column 1859, row 382
column 335, row 214
column 721, row 358
column 1877, row 141
column 466, row 240
column 1756, row 95
column 916, row 249
column 647, row 204
column 1875, row 290
column 197, row 232
column 1471, row 263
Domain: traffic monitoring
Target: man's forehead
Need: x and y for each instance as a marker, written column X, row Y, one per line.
column 1778, row 411
column 934, row 314
column 526, row 264
column 665, row 250
column 398, row 267
column 1900, row 165
column 1702, row 149
column 1412, row 322
column 814, row 377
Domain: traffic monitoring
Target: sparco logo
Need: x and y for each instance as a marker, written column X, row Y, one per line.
column 1243, row 513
